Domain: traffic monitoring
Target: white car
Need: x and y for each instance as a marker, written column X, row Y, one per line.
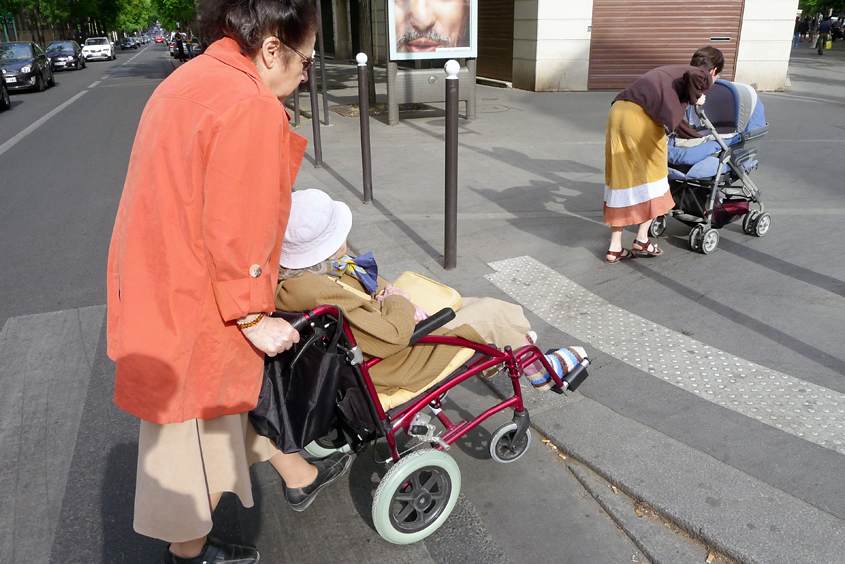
column 98, row 48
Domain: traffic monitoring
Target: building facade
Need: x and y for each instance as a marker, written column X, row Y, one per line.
column 577, row 45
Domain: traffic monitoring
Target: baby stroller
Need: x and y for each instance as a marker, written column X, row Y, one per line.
column 709, row 177
column 421, row 488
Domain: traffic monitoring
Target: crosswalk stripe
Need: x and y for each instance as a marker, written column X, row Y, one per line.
column 812, row 412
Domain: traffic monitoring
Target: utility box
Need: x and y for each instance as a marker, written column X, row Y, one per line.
column 420, row 86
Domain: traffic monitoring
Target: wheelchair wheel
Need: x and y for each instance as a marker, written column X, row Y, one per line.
column 416, row 496
column 330, row 444
column 502, row 447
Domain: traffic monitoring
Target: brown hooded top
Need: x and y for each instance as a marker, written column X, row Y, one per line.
column 665, row 92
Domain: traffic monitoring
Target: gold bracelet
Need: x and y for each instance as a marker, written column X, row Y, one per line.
column 246, row 324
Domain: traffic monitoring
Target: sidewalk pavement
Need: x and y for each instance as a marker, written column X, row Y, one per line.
column 530, row 183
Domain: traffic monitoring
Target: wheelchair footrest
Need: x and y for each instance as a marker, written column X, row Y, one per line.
column 575, row 377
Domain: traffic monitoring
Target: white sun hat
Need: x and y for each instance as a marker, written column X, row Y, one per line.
column 317, row 228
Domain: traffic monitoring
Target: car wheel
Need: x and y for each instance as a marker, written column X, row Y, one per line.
column 39, row 83
column 5, row 101
column 52, row 80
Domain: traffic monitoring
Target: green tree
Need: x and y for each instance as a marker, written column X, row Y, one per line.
column 173, row 13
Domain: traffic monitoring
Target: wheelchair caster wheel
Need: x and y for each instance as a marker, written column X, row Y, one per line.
column 330, row 444
column 762, row 224
column 416, row 496
column 748, row 222
column 709, row 241
column 658, row 226
column 502, row 447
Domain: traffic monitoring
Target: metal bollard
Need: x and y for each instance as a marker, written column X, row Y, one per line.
column 364, row 112
column 315, row 116
column 450, row 257
column 322, row 61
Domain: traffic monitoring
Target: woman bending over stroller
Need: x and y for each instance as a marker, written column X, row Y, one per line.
column 313, row 248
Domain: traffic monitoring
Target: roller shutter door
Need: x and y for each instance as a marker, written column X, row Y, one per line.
column 631, row 38
column 495, row 39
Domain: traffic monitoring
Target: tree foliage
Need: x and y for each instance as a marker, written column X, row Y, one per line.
column 811, row 7
column 174, row 13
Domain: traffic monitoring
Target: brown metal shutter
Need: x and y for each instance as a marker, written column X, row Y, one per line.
column 631, row 38
column 495, row 39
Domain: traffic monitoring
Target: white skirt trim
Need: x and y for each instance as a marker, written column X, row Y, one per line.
column 626, row 197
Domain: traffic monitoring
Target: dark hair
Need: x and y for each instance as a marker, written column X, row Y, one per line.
column 249, row 22
column 708, row 58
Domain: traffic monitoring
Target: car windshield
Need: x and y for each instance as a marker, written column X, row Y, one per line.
column 15, row 52
column 97, row 41
column 64, row 47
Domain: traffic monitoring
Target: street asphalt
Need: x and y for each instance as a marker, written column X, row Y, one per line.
column 713, row 417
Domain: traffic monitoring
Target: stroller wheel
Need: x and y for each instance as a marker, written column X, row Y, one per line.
column 748, row 222
column 416, row 496
column 695, row 237
column 658, row 226
column 709, row 241
column 762, row 224
column 502, row 447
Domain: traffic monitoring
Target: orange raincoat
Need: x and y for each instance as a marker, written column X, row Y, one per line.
column 197, row 240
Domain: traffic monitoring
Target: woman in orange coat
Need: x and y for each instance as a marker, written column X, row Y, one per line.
column 193, row 265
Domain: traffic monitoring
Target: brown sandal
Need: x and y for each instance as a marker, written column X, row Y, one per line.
column 624, row 254
column 642, row 248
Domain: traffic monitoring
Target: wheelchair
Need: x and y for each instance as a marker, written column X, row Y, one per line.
column 421, row 487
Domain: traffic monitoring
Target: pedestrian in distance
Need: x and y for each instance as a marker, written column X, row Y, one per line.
column 192, row 270
column 796, row 32
column 824, row 33
column 805, row 29
column 189, row 44
column 636, row 154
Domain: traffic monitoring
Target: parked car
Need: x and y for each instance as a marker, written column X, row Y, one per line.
column 5, row 102
column 65, row 55
column 25, row 65
column 98, row 48
column 127, row 43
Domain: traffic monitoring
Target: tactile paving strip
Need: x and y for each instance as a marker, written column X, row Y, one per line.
column 803, row 409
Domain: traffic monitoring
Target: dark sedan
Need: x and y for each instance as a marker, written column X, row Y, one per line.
column 65, row 55
column 25, row 65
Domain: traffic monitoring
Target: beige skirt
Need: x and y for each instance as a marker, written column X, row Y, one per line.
column 181, row 464
column 498, row 322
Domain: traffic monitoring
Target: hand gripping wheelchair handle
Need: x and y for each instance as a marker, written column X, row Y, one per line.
column 432, row 323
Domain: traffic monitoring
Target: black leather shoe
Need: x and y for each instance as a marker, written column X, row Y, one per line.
column 329, row 469
column 217, row 552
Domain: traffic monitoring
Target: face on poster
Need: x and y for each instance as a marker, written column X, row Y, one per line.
column 433, row 29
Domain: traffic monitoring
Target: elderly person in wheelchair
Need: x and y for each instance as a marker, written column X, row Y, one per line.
column 316, row 271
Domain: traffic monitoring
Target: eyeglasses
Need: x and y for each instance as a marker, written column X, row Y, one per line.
column 307, row 62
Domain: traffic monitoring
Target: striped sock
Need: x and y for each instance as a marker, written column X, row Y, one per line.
column 562, row 361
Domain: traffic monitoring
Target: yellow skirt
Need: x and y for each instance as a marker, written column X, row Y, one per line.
column 636, row 170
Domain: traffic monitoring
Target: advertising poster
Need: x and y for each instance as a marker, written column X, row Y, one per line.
column 432, row 29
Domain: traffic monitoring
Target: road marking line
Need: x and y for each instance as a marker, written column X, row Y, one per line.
column 808, row 411
column 93, row 84
column 14, row 140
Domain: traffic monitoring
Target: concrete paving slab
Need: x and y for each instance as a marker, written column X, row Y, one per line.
column 741, row 516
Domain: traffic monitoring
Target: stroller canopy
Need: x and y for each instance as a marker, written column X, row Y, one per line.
column 732, row 107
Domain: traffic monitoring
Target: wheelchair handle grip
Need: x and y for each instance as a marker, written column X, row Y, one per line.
column 298, row 321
